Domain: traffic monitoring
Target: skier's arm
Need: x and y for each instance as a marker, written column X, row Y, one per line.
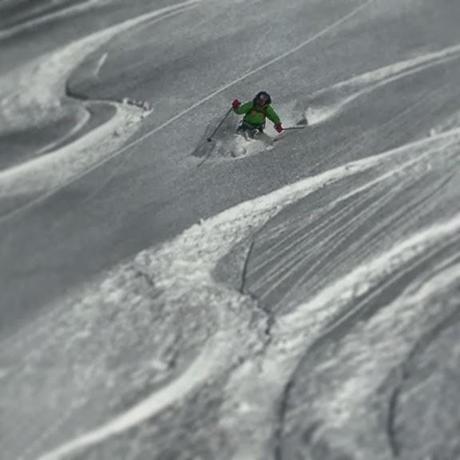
column 273, row 116
column 244, row 108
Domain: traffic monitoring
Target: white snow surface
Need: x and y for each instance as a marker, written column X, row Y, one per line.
column 41, row 18
column 45, row 173
column 329, row 102
column 183, row 268
column 105, row 355
column 32, row 93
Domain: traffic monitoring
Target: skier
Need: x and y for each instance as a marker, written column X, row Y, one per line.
column 255, row 112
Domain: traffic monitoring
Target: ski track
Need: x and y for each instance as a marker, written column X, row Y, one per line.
column 185, row 265
column 363, row 361
column 41, row 20
column 50, row 72
column 290, row 332
column 40, row 174
column 100, row 64
column 50, row 172
column 438, row 140
column 204, row 365
column 85, row 46
column 83, row 120
column 258, row 386
column 341, row 94
column 296, row 332
column 327, row 103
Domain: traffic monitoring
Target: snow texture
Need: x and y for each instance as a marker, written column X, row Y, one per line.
column 166, row 297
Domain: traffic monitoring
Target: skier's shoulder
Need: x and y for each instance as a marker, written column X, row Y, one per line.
column 270, row 109
column 248, row 104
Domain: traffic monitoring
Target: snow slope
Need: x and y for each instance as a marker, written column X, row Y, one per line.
column 184, row 268
column 296, row 302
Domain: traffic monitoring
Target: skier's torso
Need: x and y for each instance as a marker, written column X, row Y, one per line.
column 255, row 115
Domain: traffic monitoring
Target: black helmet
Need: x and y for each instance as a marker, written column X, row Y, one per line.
column 262, row 97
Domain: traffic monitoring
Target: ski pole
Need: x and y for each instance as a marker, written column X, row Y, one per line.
column 294, row 127
column 220, row 124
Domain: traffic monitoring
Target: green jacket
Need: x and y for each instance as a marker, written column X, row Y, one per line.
column 256, row 116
